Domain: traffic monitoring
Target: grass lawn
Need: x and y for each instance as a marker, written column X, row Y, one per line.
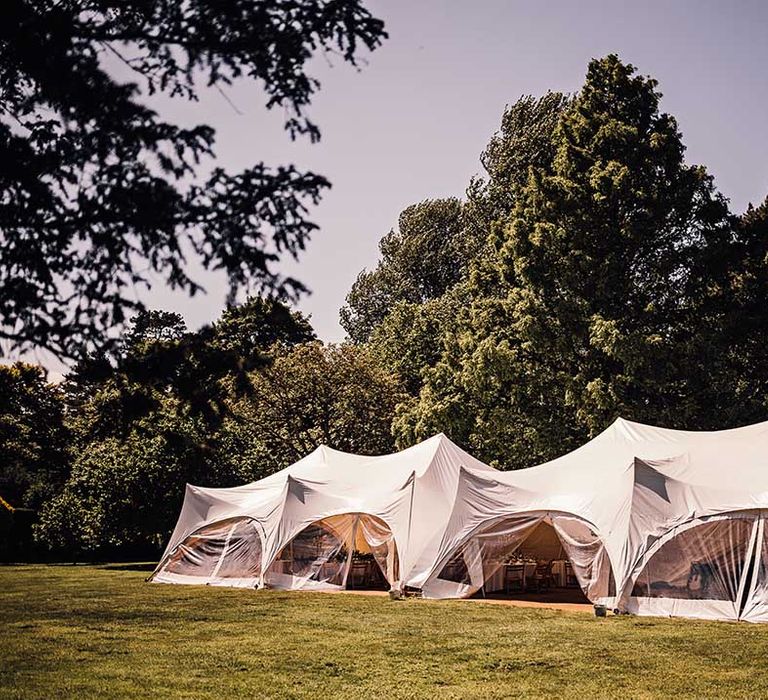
column 100, row 631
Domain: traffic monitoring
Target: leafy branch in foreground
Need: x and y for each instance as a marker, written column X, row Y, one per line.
column 99, row 196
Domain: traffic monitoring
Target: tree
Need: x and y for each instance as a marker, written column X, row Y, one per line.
column 157, row 357
column 736, row 318
column 153, row 326
column 100, row 196
column 153, row 417
column 125, row 491
column 590, row 306
column 33, row 437
column 128, row 473
column 423, row 258
column 248, row 329
column 311, row 395
column 409, row 341
column 523, row 141
column 388, row 308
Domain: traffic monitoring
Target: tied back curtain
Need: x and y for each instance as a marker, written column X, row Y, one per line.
column 321, row 555
column 375, row 536
column 481, row 556
column 543, row 536
column 317, row 557
column 586, row 552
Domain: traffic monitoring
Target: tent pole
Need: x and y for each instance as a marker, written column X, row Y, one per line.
column 262, row 550
column 402, row 571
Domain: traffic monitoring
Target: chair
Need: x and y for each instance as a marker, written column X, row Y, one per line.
column 513, row 577
column 701, row 579
column 543, row 579
column 570, row 577
column 358, row 575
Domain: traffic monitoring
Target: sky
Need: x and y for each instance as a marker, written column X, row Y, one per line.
column 411, row 124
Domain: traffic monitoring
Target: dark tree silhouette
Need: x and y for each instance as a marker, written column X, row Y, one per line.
column 98, row 195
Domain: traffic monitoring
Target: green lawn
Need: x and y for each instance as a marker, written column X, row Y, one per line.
column 100, row 631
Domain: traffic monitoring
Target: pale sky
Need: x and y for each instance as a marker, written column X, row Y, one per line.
column 412, row 123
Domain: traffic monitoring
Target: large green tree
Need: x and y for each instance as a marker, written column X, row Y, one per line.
column 33, row 436
column 412, row 301
column 420, row 260
column 736, row 323
column 409, row 340
column 124, row 491
column 129, row 470
column 310, row 395
column 100, row 196
column 523, row 141
column 591, row 303
column 158, row 356
column 156, row 416
column 245, row 331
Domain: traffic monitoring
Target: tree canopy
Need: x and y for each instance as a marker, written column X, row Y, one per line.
column 311, row 395
column 100, row 195
column 420, row 260
column 221, row 406
column 411, row 302
column 33, row 438
column 614, row 281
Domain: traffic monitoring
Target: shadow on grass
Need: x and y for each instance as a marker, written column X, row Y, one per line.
column 134, row 566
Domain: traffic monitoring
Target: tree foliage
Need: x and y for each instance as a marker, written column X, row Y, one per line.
column 100, row 195
column 410, row 338
column 311, row 395
column 737, row 321
column 606, row 291
column 222, row 406
column 246, row 330
column 33, row 437
column 158, row 356
column 421, row 260
column 125, row 490
column 405, row 327
column 523, row 142
column 150, row 418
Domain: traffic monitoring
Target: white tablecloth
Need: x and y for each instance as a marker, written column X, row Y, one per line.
column 495, row 583
column 558, row 572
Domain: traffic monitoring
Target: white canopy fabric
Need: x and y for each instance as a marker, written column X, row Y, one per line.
column 407, row 499
column 653, row 521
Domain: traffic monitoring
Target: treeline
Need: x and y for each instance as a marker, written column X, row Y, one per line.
column 590, row 273
column 101, row 460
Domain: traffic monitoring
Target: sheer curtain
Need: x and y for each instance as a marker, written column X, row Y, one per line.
column 482, row 556
column 230, row 549
column 375, row 536
column 704, row 562
column 321, row 555
column 588, row 556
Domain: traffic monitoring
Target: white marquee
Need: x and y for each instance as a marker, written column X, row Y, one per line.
column 653, row 521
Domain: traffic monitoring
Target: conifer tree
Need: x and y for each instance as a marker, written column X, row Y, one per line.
column 589, row 305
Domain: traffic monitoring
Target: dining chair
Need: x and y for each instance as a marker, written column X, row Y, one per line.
column 570, row 576
column 513, row 577
column 543, row 578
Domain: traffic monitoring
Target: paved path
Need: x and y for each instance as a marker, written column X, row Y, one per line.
column 568, row 607
column 531, row 602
